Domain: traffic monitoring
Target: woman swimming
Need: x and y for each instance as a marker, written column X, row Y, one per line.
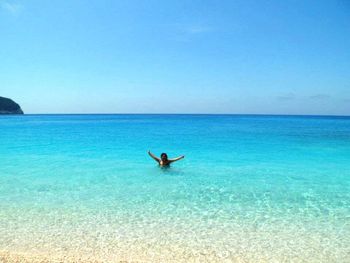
column 163, row 160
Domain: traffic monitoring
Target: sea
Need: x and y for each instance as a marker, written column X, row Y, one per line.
column 251, row 188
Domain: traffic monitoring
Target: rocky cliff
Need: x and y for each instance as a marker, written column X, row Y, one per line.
column 8, row 106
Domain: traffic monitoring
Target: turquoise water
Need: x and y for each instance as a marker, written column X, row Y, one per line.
column 250, row 189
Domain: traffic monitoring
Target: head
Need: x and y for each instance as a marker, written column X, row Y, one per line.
column 164, row 157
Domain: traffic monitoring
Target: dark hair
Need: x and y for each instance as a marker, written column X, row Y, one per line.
column 164, row 154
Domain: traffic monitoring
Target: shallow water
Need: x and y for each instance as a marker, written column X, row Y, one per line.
column 251, row 188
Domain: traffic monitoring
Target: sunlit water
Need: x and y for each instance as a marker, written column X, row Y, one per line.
column 250, row 189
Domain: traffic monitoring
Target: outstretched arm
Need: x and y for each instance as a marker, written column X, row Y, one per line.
column 176, row 159
column 154, row 157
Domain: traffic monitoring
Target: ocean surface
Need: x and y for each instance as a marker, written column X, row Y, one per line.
column 250, row 189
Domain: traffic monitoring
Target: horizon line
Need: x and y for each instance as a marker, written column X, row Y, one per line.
column 245, row 114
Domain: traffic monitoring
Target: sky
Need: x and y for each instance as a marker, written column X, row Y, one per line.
column 228, row 56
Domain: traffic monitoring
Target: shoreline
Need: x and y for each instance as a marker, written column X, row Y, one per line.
column 16, row 257
column 144, row 256
column 23, row 257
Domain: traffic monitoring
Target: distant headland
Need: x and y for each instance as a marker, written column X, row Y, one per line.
column 8, row 106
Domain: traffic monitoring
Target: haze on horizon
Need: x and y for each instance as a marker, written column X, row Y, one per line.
column 264, row 57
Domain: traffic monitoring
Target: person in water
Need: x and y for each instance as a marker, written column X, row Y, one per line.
column 163, row 160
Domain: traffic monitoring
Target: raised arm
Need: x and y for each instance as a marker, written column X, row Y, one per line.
column 176, row 159
column 154, row 157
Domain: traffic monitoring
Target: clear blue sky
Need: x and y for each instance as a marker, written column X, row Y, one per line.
column 279, row 57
